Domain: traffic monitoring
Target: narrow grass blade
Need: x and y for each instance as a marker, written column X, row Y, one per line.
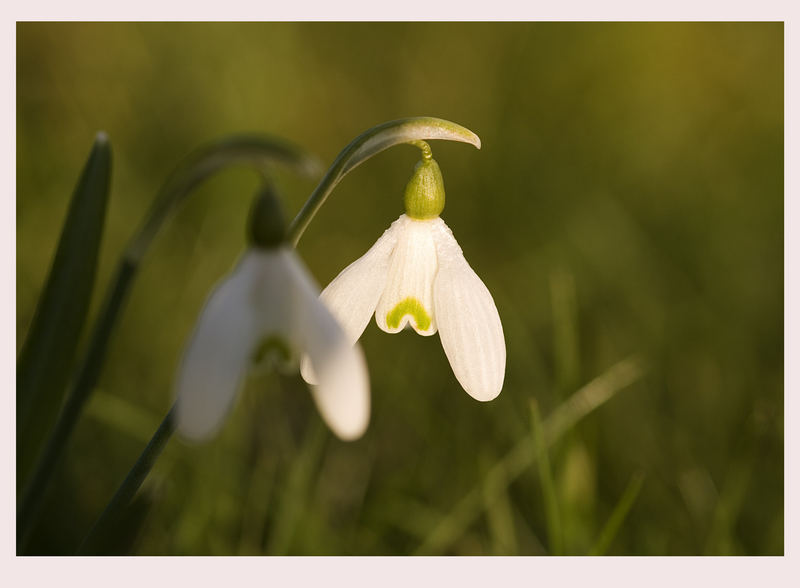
column 721, row 536
column 256, row 506
column 565, row 330
column 618, row 515
column 122, row 416
column 122, row 538
column 551, row 509
column 591, row 396
column 116, row 509
column 412, row 517
column 499, row 515
column 371, row 142
column 296, row 491
column 49, row 350
column 523, row 454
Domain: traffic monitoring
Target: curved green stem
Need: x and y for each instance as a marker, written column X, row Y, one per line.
column 427, row 154
column 255, row 150
column 371, row 142
column 250, row 149
column 124, row 494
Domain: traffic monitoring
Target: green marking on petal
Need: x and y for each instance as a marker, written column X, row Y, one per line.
column 410, row 306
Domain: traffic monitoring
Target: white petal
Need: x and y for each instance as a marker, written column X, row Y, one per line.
column 353, row 294
column 342, row 389
column 469, row 325
column 219, row 352
column 408, row 297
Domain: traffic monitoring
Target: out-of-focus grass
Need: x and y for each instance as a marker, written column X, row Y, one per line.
column 627, row 200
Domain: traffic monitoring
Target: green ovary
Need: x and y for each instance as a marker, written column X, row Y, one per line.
column 410, row 306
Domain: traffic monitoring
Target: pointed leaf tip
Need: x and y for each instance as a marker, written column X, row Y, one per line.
column 44, row 363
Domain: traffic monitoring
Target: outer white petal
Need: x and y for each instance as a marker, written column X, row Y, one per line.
column 342, row 389
column 469, row 325
column 219, row 351
column 353, row 294
column 408, row 297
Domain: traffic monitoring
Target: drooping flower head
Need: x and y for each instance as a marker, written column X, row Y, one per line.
column 269, row 300
column 416, row 275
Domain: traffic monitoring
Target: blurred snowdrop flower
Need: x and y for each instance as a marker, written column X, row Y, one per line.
column 416, row 274
column 269, row 302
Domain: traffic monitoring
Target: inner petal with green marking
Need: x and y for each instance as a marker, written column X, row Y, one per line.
column 409, row 306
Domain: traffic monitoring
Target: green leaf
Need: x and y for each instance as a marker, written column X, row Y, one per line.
column 618, row 515
column 371, row 142
column 551, row 508
column 121, row 537
column 115, row 512
column 48, row 353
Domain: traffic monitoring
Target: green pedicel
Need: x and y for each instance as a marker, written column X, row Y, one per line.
column 410, row 306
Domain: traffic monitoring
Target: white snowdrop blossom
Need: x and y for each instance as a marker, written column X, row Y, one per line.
column 416, row 275
column 269, row 300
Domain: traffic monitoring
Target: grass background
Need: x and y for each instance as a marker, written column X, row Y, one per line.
column 628, row 201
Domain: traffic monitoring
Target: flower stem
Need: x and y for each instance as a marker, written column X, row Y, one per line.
column 425, row 148
column 133, row 481
column 371, row 142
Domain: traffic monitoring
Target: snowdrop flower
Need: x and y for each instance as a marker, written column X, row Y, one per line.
column 416, row 274
column 269, row 301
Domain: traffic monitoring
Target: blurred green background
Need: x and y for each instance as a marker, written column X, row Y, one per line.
column 627, row 201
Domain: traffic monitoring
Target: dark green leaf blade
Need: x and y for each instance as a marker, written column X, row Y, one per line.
column 48, row 353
